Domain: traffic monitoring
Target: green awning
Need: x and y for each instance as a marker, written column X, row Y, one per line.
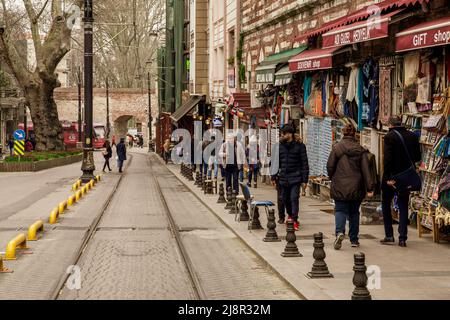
column 283, row 76
column 265, row 72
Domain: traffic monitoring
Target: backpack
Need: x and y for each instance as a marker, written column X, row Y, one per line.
column 374, row 172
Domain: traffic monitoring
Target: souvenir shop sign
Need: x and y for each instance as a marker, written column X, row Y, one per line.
column 376, row 27
column 316, row 59
column 428, row 34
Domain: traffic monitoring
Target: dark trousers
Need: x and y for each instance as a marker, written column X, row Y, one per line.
column 106, row 164
column 232, row 178
column 253, row 173
column 348, row 210
column 388, row 194
column 291, row 199
column 281, row 207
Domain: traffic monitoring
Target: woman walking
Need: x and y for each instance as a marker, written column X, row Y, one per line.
column 107, row 154
column 167, row 151
column 349, row 171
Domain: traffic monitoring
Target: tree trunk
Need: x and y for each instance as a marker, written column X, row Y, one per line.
column 44, row 113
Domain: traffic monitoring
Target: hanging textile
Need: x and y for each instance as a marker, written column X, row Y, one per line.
column 385, row 95
column 352, row 84
column 411, row 67
column 324, row 77
column 360, row 98
column 307, row 86
column 370, row 92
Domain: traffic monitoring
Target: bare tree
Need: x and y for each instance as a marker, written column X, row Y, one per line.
column 42, row 17
column 125, row 40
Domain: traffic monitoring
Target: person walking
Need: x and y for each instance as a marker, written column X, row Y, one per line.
column 401, row 151
column 11, row 146
column 253, row 161
column 166, row 147
column 121, row 154
column 233, row 155
column 107, row 154
column 293, row 171
column 351, row 180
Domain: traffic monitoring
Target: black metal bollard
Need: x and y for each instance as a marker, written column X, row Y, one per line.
column 291, row 249
column 229, row 199
column 244, row 211
column 181, row 168
column 319, row 268
column 200, row 180
column 191, row 173
column 233, row 202
column 197, row 178
column 209, row 188
column 360, row 278
column 221, row 194
column 256, row 223
column 271, row 235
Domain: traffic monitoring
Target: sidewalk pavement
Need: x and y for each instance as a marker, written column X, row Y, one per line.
column 37, row 275
column 420, row 271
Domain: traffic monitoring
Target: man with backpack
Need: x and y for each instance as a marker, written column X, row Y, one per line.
column 351, row 180
column 401, row 152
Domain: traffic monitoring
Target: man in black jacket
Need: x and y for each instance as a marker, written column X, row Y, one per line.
column 396, row 161
column 293, row 171
column 121, row 154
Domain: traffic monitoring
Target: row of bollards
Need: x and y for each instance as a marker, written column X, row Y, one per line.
column 319, row 268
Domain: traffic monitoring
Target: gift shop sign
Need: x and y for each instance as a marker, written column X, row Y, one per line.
column 426, row 35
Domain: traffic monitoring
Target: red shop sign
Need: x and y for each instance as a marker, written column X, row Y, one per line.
column 356, row 33
column 316, row 59
column 428, row 34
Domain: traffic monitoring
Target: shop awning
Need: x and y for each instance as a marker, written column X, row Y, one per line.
column 283, row 77
column 362, row 14
column 427, row 34
column 265, row 72
column 373, row 28
column 186, row 108
column 316, row 59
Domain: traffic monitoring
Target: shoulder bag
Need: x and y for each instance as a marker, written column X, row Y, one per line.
column 408, row 180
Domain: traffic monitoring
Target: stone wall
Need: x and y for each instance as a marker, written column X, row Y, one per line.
column 124, row 104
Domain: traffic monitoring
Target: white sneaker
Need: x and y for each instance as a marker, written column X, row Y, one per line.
column 338, row 241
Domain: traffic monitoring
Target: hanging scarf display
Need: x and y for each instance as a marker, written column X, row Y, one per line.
column 307, row 87
column 360, row 98
column 385, row 95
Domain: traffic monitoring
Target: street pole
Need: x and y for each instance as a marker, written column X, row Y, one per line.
column 150, row 118
column 80, row 126
column 88, row 166
column 108, row 124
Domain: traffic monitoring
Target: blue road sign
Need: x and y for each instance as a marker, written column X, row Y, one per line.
column 19, row 135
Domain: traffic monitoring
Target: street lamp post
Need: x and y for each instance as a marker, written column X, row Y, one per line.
column 80, row 126
column 88, row 165
column 108, row 123
column 150, row 118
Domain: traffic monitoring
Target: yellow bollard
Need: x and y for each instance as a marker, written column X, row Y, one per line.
column 78, row 195
column 2, row 267
column 54, row 215
column 74, row 187
column 34, row 229
column 70, row 201
column 91, row 184
column 83, row 191
column 98, row 178
column 61, row 208
column 19, row 242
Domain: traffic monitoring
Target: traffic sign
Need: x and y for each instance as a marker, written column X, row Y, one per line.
column 19, row 135
column 19, row 148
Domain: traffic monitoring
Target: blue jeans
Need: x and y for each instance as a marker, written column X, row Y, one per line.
column 348, row 210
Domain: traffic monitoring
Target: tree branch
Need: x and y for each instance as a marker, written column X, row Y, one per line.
column 34, row 26
column 9, row 54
